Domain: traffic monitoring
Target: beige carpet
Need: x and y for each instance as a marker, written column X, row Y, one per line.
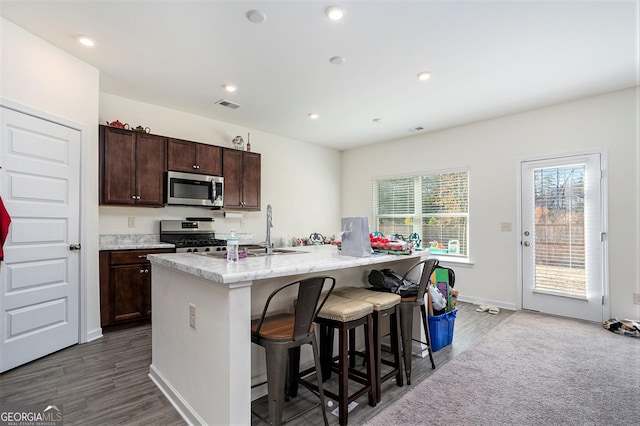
column 532, row 369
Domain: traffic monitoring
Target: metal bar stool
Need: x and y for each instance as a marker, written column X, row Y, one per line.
column 385, row 305
column 407, row 305
column 279, row 333
column 343, row 315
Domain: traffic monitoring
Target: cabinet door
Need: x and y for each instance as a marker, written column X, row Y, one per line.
column 181, row 156
column 150, row 166
column 209, row 159
column 117, row 148
column 251, row 181
column 232, row 168
column 127, row 292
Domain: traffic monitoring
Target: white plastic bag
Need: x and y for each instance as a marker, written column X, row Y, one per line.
column 438, row 301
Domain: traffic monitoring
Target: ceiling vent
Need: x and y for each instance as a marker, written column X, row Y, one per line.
column 415, row 129
column 227, row 104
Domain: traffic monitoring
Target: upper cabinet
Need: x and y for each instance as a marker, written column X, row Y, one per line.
column 192, row 157
column 132, row 166
column 241, row 179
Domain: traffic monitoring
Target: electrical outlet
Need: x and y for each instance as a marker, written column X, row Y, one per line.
column 132, row 222
column 505, row 226
column 242, row 224
column 192, row 315
column 636, row 298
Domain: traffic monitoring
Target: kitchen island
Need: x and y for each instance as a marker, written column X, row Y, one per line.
column 202, row 356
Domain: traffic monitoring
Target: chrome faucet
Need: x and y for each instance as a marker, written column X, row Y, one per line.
column 267, row 244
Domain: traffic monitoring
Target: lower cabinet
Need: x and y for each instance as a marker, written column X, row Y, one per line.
column 125, row 287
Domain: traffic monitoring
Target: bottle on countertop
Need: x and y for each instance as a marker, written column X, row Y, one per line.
column 232, row 247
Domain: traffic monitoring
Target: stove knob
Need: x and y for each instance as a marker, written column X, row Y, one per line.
column 188, row 250
column 195, row 250
column 207, row 249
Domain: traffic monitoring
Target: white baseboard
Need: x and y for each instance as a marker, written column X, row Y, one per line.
column 93, row 335
column 490, row 302
column 182, row 407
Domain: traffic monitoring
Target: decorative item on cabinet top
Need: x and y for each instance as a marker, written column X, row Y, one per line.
column 118, row 124
column 238, row 143
column 142, row 129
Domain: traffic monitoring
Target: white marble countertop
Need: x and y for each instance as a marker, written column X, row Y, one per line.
column 315, row 259
column 131, row 242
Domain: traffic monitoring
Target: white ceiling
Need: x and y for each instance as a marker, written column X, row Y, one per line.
column 487, row 59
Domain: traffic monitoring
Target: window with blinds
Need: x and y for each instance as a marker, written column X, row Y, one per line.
column 434, row 206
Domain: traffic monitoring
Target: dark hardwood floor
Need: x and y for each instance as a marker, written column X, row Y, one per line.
column 105, row 382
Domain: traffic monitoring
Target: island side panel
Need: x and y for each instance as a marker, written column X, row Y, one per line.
column 202, row 370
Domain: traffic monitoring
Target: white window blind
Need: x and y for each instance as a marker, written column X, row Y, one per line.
column 560, row 230
column 435, row 206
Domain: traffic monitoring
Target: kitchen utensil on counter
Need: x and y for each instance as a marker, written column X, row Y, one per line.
column 118, row 124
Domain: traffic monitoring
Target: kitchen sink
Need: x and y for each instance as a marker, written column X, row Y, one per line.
column 255, row 252
column 275, row 252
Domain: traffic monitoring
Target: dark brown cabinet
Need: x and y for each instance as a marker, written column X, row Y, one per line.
column 241, row 179
column 132, row 166
column 193, row 157
column 125, row 287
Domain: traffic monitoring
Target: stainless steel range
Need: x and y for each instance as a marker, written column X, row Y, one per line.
column 191, row 236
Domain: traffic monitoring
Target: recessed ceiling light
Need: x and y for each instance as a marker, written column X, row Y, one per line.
column 337, row 60
column 334, row 13
column 424, row 75
column 313, row 116
column 86, row 41
column 377, row 120
column 230, row 87
column 256, row 16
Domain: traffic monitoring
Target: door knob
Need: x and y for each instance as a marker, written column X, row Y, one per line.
column 74, row 247
column 527, row 243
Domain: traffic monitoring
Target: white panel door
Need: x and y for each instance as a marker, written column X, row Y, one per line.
column 40, row 187
column 561, row 241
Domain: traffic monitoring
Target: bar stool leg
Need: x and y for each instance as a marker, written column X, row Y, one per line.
column 316, row 358
column 394, row 324
column 343, row 373
column 276, row 377
column 371, row 370
column 426, row 333
column 406, row 325
column 326, row 351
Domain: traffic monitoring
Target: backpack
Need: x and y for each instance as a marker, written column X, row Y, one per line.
column 387, row 280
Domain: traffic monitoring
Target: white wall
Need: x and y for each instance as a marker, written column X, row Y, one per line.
column 492, row 151
column 301, row 181
column 44, row 79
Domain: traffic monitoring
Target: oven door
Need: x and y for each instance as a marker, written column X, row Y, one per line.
column 192, row 189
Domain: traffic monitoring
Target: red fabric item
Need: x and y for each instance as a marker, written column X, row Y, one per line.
column 5, row 220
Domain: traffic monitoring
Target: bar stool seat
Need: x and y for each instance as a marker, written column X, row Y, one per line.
column 342, row 314
column 384, row 305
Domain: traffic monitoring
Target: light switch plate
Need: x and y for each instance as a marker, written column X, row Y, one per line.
column 132, row 222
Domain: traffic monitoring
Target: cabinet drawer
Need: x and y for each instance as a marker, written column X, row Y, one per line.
column 127, row 257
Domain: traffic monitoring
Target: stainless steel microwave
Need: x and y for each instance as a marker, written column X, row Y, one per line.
column 191, row 189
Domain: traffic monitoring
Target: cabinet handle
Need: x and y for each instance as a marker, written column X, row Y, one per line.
column 133, row 196
column 194, row 166
column 146, row 271
column 142, row 271
column 142, row 256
